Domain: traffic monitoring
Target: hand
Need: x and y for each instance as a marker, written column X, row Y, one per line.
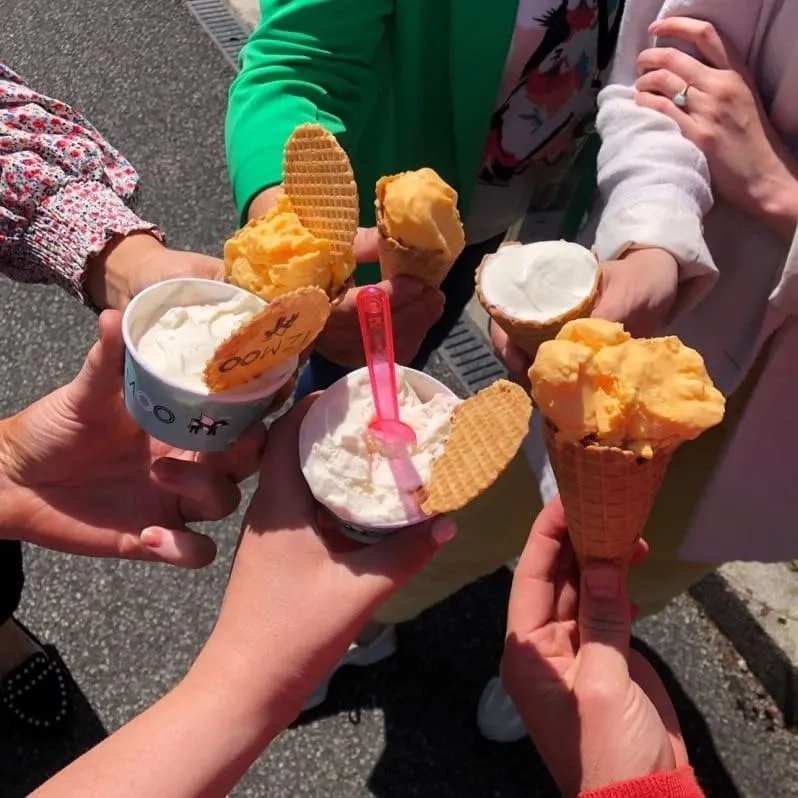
column 77, row 474
column 292, row 604
column 129, row 265
column 414, row 309
column 597, row 713
column 514, row 359
column 749, row 165
column 638, row 290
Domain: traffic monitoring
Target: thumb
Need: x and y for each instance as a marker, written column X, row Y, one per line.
column 605, row 622
column 181, row 547
column 102, row 369
column 382, row 568
column 367, row 245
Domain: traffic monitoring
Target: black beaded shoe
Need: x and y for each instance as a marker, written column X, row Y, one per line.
column 35, row 693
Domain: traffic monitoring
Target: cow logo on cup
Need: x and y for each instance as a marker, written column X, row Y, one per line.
column 204, row 423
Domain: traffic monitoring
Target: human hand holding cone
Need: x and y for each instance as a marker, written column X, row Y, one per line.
column 420, row 233
column 615, row 410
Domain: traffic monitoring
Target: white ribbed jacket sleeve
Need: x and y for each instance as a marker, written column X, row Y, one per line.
column 654, row 183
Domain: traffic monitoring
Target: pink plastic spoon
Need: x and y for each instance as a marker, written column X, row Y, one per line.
column 374, row 313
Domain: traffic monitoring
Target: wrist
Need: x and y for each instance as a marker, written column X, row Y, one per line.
column 777, row 201
column 240, row 674
column 643, row 253
column 111, row 275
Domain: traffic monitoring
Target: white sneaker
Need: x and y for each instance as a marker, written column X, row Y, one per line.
column 380, row 648
column 497, row 717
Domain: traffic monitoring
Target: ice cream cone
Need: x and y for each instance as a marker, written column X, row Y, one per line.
column 419, row 226
column 307, row 238
column 607, row 494
column 395, row 259
column 529, row 335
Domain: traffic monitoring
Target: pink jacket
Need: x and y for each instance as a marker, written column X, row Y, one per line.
column 739, row 282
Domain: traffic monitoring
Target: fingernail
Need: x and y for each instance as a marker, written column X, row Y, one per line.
column 151, row 538
column 443, row 530
column 602, row 581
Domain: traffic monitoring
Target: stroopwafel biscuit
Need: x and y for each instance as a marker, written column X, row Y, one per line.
column 285, row 327
column 486, row 432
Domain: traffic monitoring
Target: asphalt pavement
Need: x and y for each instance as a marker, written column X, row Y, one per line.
column 150, row 79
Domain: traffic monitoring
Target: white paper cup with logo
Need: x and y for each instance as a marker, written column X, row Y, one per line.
column 174, row 414
column 349, row 524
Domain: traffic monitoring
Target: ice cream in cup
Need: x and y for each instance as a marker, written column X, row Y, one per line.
column 370, row 492
column 532, row 290
column 172, row 330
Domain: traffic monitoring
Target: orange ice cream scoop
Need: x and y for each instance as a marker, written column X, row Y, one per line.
column 593, row 381
column 276, row 253
column 419, row 210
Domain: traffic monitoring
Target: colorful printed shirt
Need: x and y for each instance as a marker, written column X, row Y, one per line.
column 64, row 191
column 545, row 110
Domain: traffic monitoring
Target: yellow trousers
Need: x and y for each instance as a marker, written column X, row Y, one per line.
column 493, row 529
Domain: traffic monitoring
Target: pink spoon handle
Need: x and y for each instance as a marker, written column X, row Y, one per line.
column 374, row 312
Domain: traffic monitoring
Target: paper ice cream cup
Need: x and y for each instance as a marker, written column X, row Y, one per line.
column 174, row 414
column 350, row 524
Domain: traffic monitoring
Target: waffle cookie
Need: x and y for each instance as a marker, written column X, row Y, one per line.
column 285, row 327
column 486, row 432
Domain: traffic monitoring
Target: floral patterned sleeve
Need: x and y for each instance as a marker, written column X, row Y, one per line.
column 64, row 191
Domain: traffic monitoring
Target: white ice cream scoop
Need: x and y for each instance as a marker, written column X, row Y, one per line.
column 538, row 282
column 531, row 290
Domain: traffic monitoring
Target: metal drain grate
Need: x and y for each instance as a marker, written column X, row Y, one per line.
column 222, row 25
column 465, row 351
column 467, row 354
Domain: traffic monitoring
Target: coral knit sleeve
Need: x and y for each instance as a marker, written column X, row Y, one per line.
column 678, row 783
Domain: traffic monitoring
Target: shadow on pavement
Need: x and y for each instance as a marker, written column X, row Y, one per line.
column 28, row 758
column 428, row 694
column 704, row 758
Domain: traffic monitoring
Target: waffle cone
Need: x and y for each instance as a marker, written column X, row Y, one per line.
column 487, row 431
column 431, row 267
column 607, row 494
column 529, row 335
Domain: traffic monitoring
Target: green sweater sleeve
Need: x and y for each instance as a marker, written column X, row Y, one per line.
column 308, row 61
